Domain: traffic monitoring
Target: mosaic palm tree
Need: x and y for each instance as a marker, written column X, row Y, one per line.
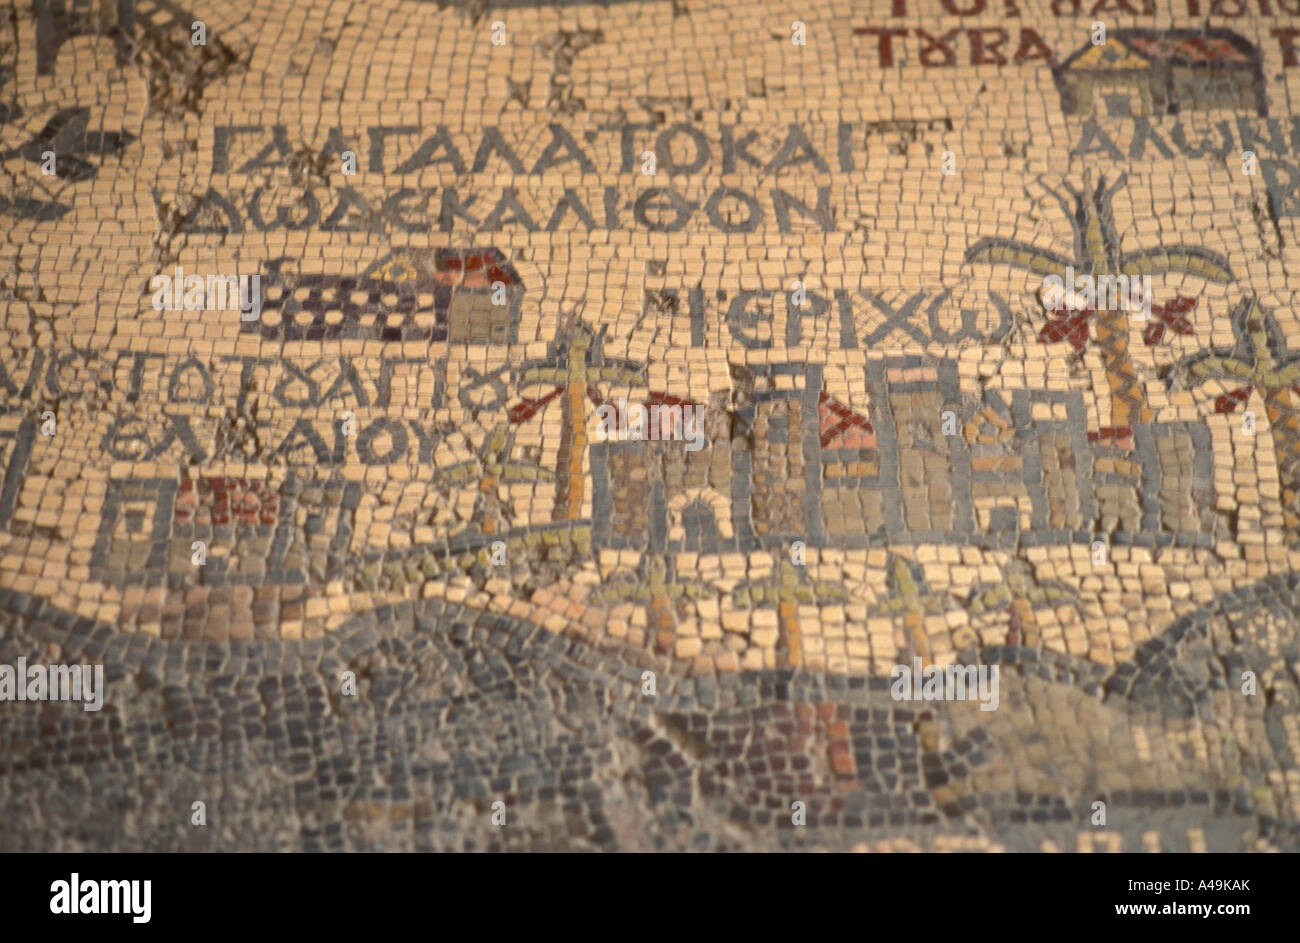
column 493, row 466
column 576, row 367
column 910, row 596
column 658, row 592
column 1097, row 253
column 1020, row 595
column 1259, row 361
column 785, row 590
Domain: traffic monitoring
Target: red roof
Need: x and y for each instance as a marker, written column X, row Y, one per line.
column 842, row 428
column 1196, row 50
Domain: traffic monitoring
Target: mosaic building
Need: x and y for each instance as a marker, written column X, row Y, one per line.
column 366, row 567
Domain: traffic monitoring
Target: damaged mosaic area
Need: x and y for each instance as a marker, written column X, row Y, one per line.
column 365, row 567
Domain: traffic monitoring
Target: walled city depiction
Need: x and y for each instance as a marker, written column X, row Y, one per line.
column 649, row 426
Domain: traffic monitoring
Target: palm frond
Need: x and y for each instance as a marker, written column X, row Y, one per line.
column 525, row 471
column 995, row 251
column 628, row 376
column 460, row 472
column 1282, row 378
column 533, row 375
column 1202, row 262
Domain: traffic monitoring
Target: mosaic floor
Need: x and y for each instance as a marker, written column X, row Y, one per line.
column 316, row 313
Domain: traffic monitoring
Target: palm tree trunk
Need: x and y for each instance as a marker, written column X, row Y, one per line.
column 663, row 623
column 1284, row 420
column 568, row 477
column 1128, row 398
column 914, row 622
column 486, row 487
column 788, row 618
column 1028, row 622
